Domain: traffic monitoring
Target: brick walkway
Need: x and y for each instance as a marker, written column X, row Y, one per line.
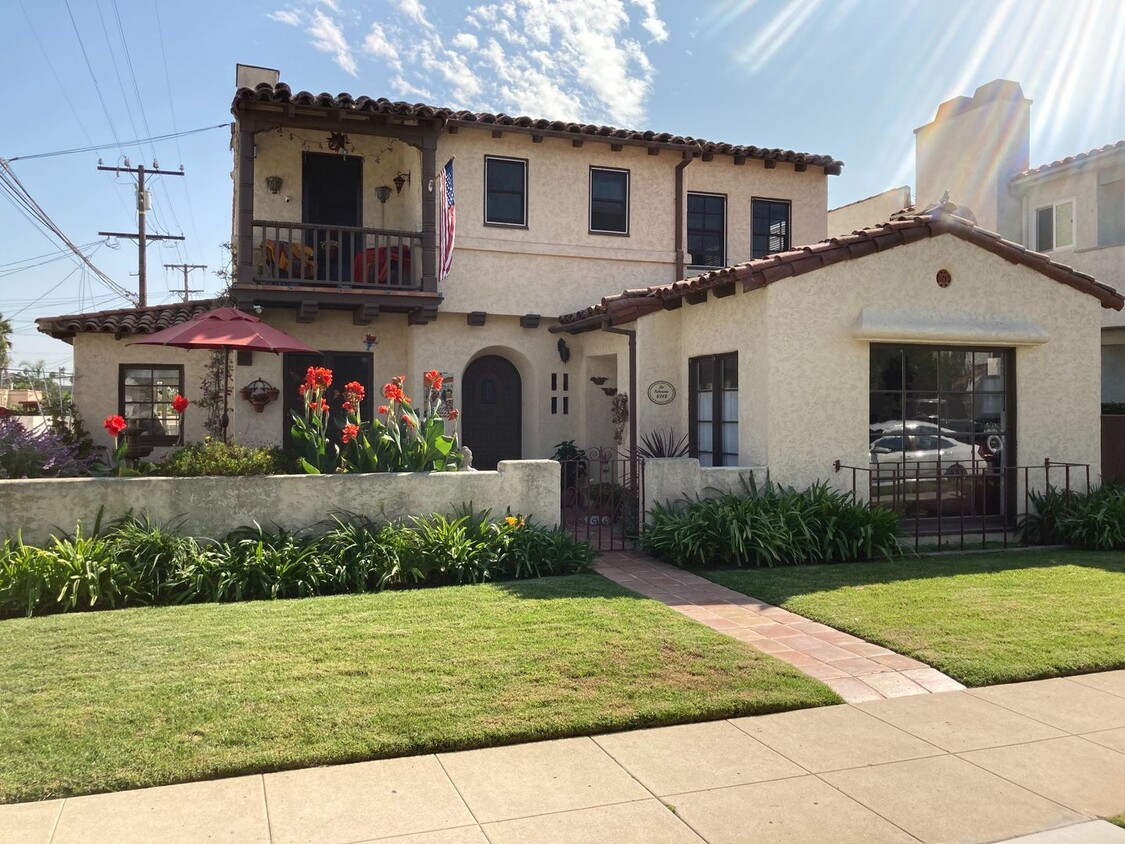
column 857, row 670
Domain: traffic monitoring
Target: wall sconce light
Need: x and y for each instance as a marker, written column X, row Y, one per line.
column 370, row 340
column 383, row 193
column 274, row 183
column 400, row 180
column 564, row 350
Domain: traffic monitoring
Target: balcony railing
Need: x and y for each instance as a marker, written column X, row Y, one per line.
column 303, row 255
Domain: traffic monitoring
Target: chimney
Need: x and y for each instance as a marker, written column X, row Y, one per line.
column 251, row 76
column 972, row 148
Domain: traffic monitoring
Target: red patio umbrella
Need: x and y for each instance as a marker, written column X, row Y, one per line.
column 226, row 329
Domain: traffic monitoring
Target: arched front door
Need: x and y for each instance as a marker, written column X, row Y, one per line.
column 492, row 409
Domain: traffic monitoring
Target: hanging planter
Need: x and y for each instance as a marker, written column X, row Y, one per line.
column 259, row 393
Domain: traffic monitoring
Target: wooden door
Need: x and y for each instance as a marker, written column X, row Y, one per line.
column 332, row 198
column 492, row 410
column 346, row 367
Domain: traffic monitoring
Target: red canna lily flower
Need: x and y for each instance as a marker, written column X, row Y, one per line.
column 114, row 425
column 393, row 392
column 350, row 432
column 355, row 392
column 323, row 406
column 384, row 409
column 179, row 403
column 349, row 407
column 407, row 420
column 453, row 414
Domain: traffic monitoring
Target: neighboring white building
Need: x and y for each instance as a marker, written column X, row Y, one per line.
column 977, row 150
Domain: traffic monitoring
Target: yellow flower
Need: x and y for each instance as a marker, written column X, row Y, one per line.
column 515, row 521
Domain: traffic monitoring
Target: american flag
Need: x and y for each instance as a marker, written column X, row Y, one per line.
column 447, row 220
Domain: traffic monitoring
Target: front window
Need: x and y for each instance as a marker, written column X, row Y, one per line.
column 609, row 201
column 713, row 426
column 505, row 191
column 940, row 436
column 145, row 393
column 769, row 227
column 1054, row 226
column 706, row 229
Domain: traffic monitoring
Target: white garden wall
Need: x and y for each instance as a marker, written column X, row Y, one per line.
column 669, row 479
column 214, row 506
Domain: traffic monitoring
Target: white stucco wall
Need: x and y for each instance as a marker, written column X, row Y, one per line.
column 211, row 507
column 804, row 377
column 97, row 360
column 678, row 479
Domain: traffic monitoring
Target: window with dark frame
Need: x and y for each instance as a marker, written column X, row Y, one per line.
column 609, row 201
column 144, row 399
column 505, row 191
column 713, row 409
column 706, row 229
column 769, row 226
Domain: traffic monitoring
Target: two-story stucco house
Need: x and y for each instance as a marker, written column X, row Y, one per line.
column 335, row 238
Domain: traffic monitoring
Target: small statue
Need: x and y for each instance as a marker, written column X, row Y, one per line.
column 467, row 459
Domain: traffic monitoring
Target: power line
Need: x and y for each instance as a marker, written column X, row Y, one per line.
column 19, row 196
column 93, row 76
column 116, row 143
column 187, row 268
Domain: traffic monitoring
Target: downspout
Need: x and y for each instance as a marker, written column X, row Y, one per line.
column 688, row 158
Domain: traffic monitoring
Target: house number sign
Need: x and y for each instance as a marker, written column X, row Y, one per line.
column 661, row 392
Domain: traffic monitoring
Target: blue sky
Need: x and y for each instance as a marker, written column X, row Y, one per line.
column 850, row 78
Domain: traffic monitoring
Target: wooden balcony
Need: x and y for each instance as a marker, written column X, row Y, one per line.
column 313, row 266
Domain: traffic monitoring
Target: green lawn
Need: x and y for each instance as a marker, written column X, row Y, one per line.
column 982, row 618
column 112, row 700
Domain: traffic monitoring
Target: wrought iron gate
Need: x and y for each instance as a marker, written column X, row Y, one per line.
column 603, row 499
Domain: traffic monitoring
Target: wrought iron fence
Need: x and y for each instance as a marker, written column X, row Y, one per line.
column 947, row 503
column 603, row 500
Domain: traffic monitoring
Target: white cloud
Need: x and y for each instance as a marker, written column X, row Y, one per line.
column 286, row 17
column 652, row 22
column 414, row 10
column 580, row 60
column 465, row 41
column 380, row 44
column 328, row 37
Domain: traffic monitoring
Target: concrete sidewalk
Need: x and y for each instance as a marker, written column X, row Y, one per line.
column 964, row 766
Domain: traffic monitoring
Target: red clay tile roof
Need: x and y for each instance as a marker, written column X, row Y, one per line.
column 281, row 94
column 124, row 321
column 631, row 304
column 1071, row 159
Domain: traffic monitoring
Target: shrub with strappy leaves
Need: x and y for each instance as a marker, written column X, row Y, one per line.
column 771, row 525
column 133, row 562
column 1095, row 520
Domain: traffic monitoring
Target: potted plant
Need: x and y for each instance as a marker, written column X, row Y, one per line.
column 572, row 465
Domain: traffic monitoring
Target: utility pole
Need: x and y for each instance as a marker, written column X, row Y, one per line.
column 186, row 268
column 141, row 235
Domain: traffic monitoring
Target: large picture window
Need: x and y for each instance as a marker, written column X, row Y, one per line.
column 144, row 398
column 505, row 191
column 942, row 429
column 706, row 229
column 609, row 201
column 713, row 423
column 769, row 226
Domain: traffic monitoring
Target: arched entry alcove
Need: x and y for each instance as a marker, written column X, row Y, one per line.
column 492, row 403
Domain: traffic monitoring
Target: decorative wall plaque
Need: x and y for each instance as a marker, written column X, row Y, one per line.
column 944, row 279
column 661, row 392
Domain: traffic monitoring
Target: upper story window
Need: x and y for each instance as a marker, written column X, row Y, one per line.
column 1054, row 226
column 505, row 191
column 144, row 397
column 609, row 201
column 707, row 229
column 1111, row 206
column 769, row 226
